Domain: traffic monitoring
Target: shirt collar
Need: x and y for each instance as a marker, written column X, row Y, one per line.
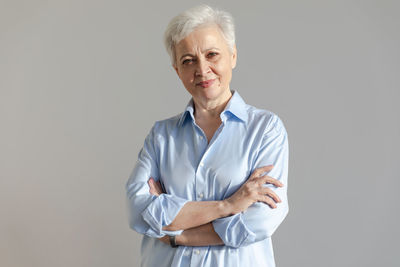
column 188, row 110
column 236, row 107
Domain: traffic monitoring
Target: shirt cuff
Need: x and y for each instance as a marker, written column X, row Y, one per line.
column 161, row 212
column 233, row 231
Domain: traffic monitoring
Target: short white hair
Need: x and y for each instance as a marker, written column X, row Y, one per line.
column 188, row 21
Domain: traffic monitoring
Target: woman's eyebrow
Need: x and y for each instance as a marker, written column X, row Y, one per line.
column 211, row 48
column 186, row 55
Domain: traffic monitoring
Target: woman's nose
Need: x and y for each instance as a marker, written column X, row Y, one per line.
column 202, row 67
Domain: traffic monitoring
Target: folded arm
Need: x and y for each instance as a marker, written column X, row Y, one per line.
column 205, row 234
column 148, row 214
column 166, row 214
column 193, row 223
column 259, row 221
column 196, row 213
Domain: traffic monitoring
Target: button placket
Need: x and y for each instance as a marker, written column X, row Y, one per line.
column 199, row 174
column 196, row 258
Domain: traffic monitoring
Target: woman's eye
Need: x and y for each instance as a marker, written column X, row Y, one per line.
column 187, row 61
column 212, row 54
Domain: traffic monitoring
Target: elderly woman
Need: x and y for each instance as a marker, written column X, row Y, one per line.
column 199, row 192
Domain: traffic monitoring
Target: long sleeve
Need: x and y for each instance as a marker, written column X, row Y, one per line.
column 147, row 213
column 260, row 221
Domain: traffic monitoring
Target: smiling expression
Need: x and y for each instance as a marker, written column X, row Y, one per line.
column 204, row 64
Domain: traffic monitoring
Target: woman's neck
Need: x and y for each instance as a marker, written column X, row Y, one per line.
column 210, row 111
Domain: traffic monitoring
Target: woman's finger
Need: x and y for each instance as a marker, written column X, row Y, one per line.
column 152, row 189
column 259, row 171
column 155, row 187
column 267, row 200
column 269, row 180
column 158, row 187
column 271, row 194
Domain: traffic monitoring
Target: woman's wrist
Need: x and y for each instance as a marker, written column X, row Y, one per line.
column 226, row 208
column 203, row 235
column 180, row 240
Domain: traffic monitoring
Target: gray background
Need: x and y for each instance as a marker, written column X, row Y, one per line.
column 82, row 82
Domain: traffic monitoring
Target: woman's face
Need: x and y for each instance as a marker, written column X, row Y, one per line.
column 204, row 64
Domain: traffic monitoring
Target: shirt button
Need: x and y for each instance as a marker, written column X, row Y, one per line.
column 197, row 251
column 201, row 137
column 201, row 195
column 202, row 164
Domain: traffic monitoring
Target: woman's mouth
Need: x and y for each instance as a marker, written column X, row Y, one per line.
column 206, row 84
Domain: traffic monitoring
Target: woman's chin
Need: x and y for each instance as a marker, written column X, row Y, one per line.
column 211, row 93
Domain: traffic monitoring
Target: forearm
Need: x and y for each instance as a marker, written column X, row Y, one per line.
column 203, row 235
column 197, row 213
column 257, row 223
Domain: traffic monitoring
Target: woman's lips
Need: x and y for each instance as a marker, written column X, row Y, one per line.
column 206, row 84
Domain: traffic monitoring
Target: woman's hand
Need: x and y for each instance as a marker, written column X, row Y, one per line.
column 253, row 191
column 155, row 187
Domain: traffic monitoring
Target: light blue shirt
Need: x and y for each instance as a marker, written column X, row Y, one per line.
column 177, row 153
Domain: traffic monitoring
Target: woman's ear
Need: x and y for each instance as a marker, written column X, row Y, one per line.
column 175, row 68
column 234, row 57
